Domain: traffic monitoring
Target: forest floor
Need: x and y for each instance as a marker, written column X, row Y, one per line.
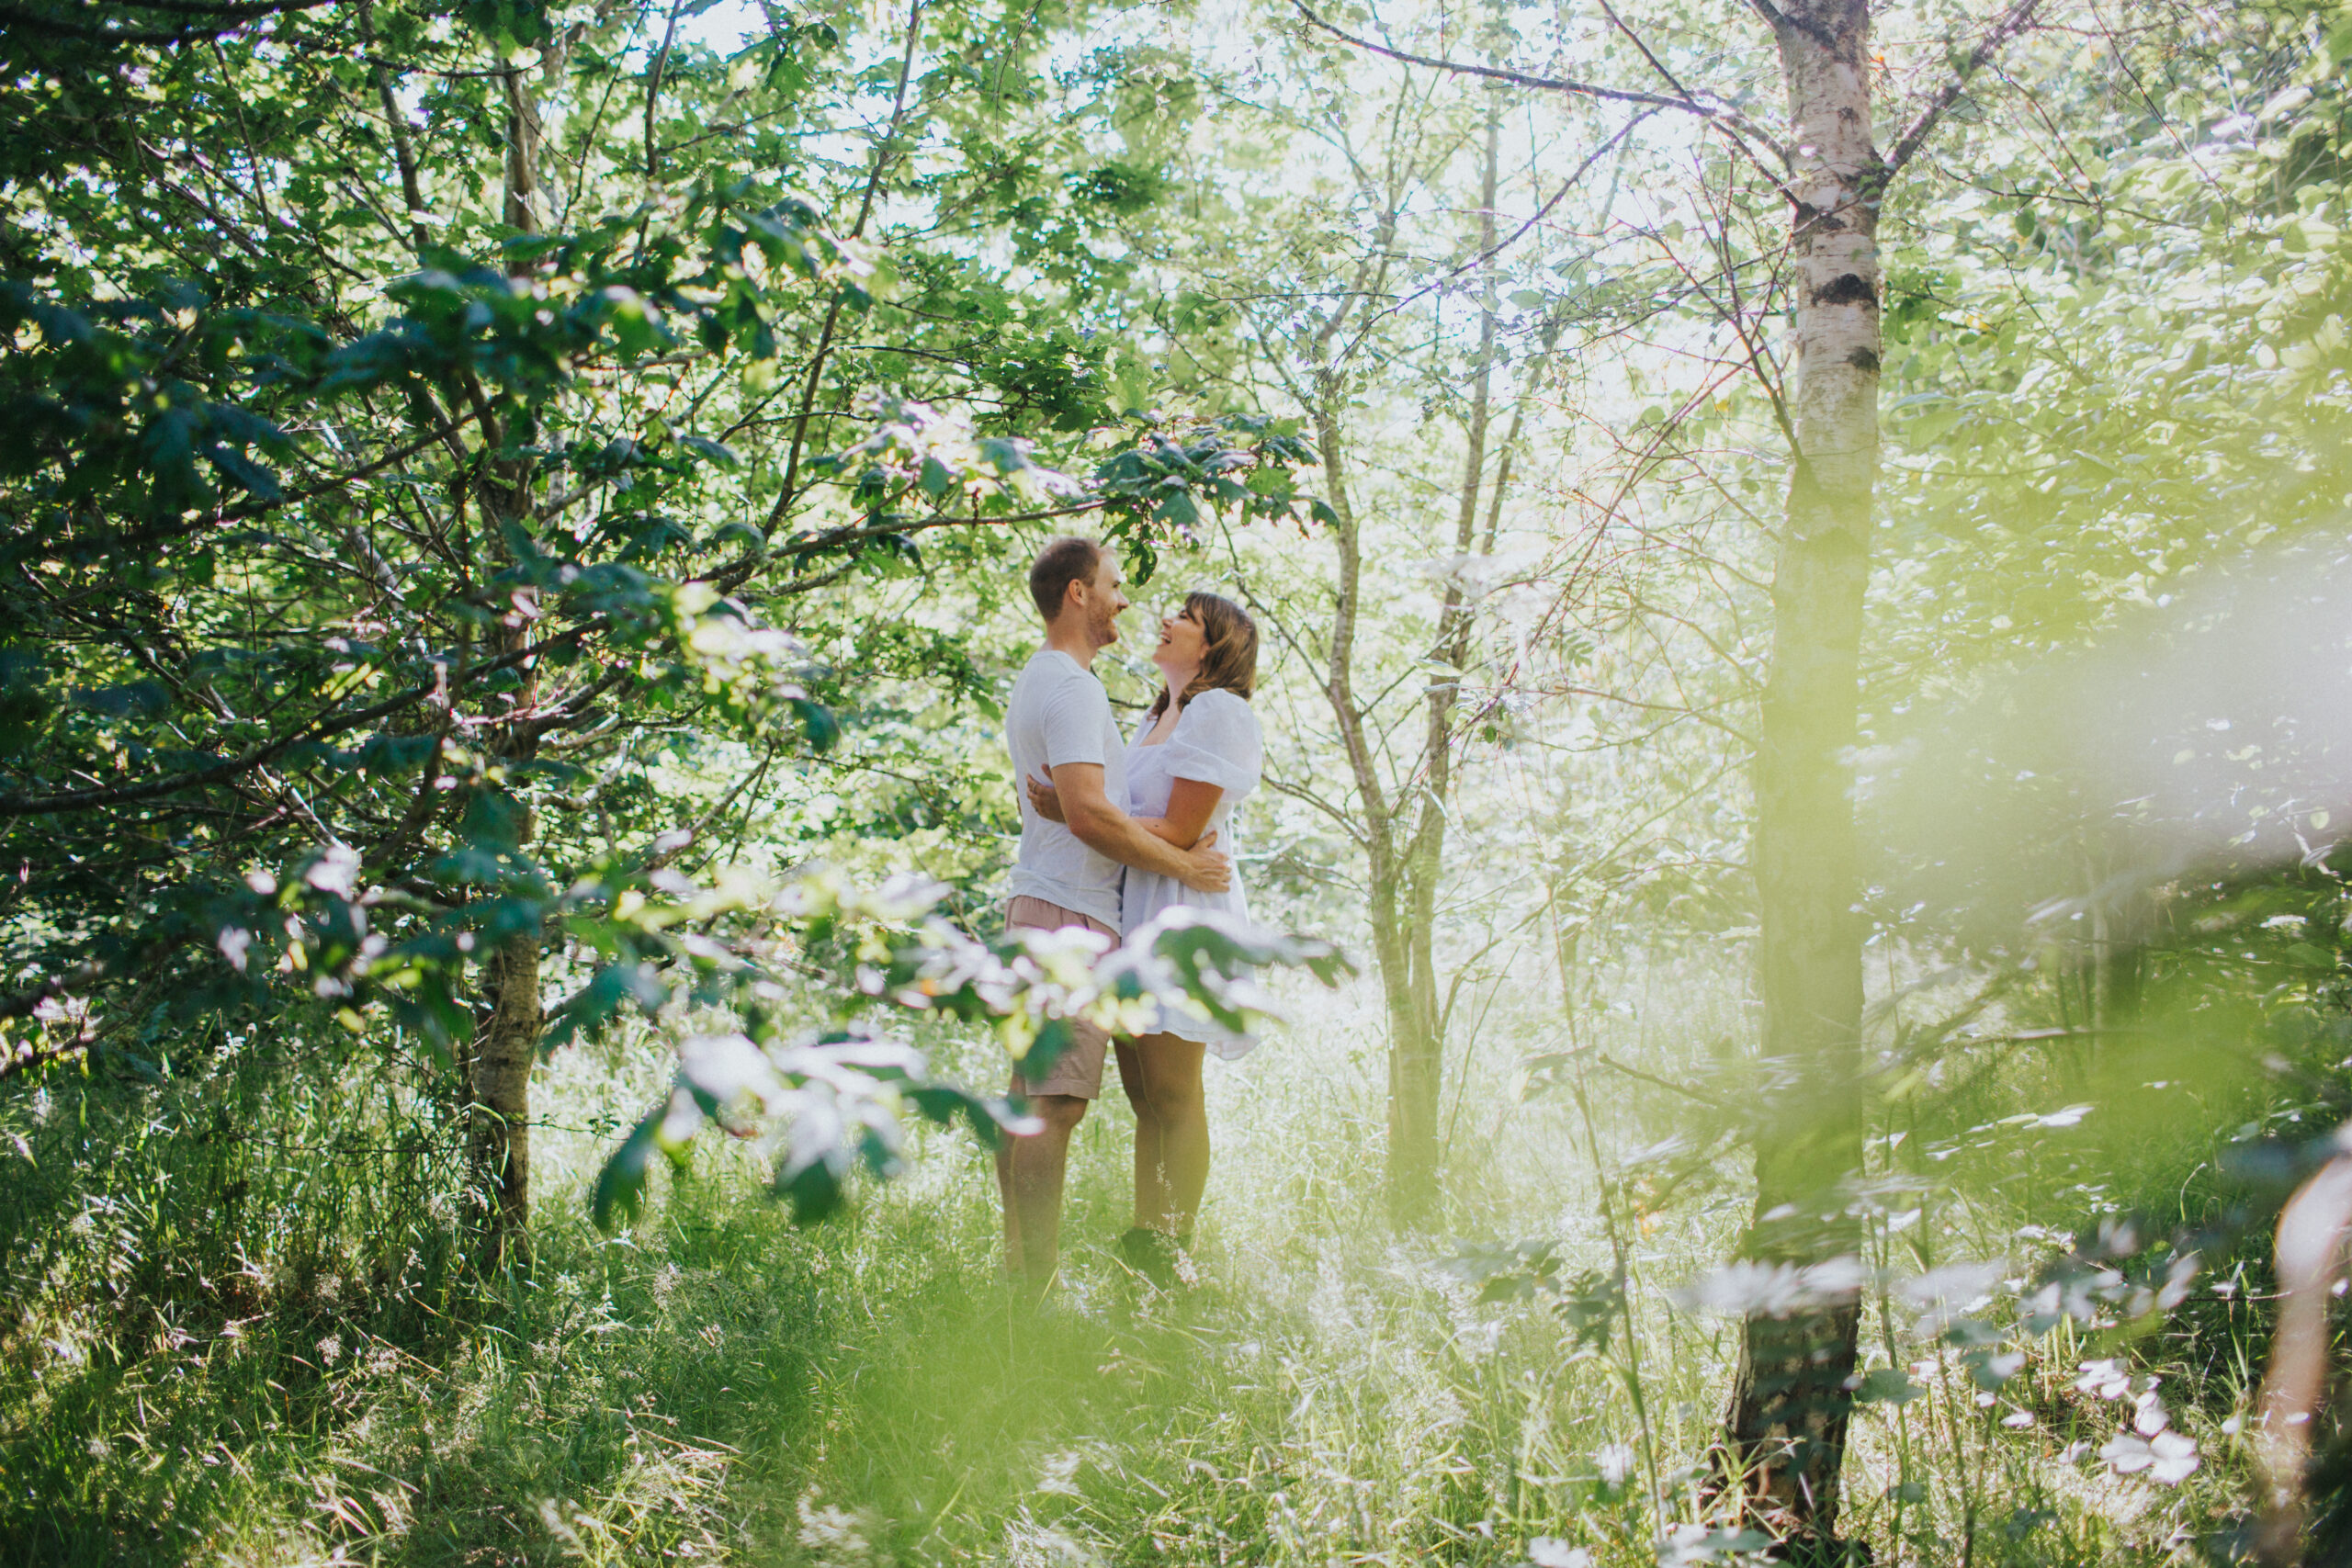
column 720, row 1385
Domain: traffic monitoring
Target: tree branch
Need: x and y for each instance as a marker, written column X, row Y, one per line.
column 1722, row 120
column 1682, row 1089
column 268, row 752
column 1776, row 19
column 23, row 1003
column 2019, row 17
column 218, row 19
column 883, row 152
column 135, row 538
column 653, row 97
column 1491, row 252
column 837, row 536
column 403, row 151
column 420, row 806
column 1518, row 78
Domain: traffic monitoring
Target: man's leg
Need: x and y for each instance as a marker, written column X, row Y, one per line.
column 1161, row 1075
column 1012, row 1215
column 1030, row 1172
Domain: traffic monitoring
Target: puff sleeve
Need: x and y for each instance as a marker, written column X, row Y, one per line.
column 1218, row 742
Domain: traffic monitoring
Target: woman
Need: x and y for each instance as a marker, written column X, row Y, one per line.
column 1197, row 754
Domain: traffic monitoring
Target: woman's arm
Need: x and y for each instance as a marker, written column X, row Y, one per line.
column 1191, row 804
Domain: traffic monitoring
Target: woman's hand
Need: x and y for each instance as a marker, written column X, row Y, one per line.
column 1046, row 801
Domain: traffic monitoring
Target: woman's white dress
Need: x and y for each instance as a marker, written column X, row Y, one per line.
column 1216, row 741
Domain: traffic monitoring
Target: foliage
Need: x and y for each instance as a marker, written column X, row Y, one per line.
column 470, row 473
column 355, row 631
column 829, row 1103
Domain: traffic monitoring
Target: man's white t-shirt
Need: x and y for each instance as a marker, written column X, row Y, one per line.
column 1060, row 713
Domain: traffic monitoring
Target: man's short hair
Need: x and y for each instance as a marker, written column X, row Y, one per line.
column 1062, row 562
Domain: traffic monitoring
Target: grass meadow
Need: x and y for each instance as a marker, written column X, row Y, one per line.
column 189, row 1379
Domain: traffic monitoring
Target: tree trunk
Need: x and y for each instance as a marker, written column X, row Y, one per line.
column 1411, row 1179
column 498, row 1147
column 1402, row 869
column 498, row 1154
column 1416, row 1055
column 1417, row 1075
column 506, row 1045
column 1785, row 1430
column 523, row 135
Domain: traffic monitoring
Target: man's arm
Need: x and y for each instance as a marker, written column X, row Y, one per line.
column 1191, row 804
column 1107, row 831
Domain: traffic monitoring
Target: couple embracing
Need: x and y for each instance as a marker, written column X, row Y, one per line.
column 1113, row 831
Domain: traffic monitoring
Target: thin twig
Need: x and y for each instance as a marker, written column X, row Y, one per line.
column 1496, row 74
column 883, row 153
column 2019, row 17
column 268, row 752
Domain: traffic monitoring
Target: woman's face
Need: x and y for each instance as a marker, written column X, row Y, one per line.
column 1184, row 641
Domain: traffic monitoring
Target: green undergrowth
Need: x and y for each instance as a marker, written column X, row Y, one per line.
column 718, row 1385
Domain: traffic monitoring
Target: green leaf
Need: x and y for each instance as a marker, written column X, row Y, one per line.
column 1888, row 1385
column 1179, row 512
column 1003, row 454
column 596, row 1003
column 817, row 724
column 619, row 1196
column 514, row 23
column 1055, row 1036
column 245, row 473
column 717, row 452
column 1990, row 1368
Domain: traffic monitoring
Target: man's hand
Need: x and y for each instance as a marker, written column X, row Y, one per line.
column 1209, row 872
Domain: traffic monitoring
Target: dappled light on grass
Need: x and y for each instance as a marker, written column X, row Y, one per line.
column 865, row 1392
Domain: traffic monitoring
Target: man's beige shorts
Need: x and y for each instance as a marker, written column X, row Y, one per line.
column 1077, row 1071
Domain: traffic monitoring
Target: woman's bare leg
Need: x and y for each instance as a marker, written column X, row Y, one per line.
column 1161, row 1074
column 1150, row 1183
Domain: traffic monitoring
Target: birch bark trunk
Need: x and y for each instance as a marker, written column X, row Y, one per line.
column 1785, row 1430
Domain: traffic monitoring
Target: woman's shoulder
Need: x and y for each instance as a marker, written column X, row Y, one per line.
column 1223, row 721
column 1221, row 704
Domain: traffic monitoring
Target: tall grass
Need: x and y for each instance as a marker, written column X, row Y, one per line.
column 290, row 1374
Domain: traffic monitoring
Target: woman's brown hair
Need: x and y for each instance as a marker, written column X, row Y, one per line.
column 1229, row 654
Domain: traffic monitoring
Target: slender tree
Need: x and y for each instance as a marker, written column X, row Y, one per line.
column 1322, row 357
column 1789, row 1408
column 1417, row 1022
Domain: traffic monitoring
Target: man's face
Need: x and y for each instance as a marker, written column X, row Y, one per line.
column 1102, row 601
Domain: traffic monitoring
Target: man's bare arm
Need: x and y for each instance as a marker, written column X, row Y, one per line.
column 1191, row 804
column 1104, row 829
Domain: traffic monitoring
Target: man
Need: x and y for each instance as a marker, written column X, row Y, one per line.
column 1059, row 724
